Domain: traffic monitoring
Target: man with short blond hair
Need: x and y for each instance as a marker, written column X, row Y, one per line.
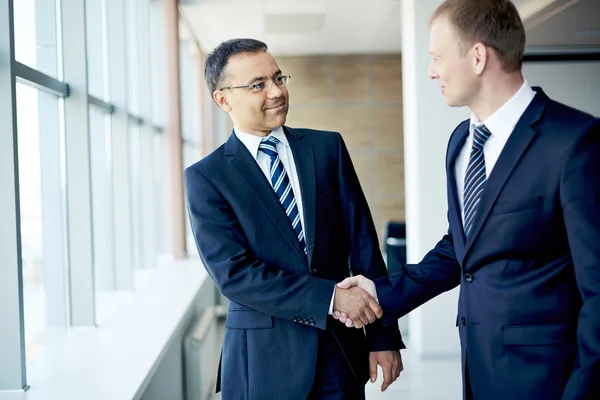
column 524, row 223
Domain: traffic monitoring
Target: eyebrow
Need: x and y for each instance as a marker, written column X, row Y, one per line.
column 262, row 78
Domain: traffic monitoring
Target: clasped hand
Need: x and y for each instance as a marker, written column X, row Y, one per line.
column 355, row 303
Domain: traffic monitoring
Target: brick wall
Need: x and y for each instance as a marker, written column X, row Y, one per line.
column 360, row 97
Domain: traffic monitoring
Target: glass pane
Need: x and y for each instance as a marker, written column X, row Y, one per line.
column 135, row 167
column 102, row 203
column 36, row 35
column 41, row 185
column 131, row 47
column 157, row 65
column 189, row 157
column 162, row 179
column 96, row 38
column 148, row 204
column 161, row 201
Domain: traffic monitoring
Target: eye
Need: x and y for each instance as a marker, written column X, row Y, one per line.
column 279, row 79
column 257, row 87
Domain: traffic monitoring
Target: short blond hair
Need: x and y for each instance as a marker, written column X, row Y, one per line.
column 495, row 23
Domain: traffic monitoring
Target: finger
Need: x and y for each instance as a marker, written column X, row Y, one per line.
column 369, row 314
column 343, row 318
column 396, row 370
column 373, row 368
column 354, row 323
column 376, row 308
column 336, row 315
column 348, row 283
column 387, row 377
column 399, row 367
column 362, row 316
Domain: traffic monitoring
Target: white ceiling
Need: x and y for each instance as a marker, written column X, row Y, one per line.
column 307, row 27
column 291, row 27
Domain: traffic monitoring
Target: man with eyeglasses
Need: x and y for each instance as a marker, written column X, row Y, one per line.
column 279, row 217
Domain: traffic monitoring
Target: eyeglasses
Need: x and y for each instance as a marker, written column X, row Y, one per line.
column 280, row 81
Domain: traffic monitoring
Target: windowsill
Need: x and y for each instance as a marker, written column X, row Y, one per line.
column 116, row 359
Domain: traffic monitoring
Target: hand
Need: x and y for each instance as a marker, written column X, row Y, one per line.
column 364, row 283
column 391, row 364
column 357, row 305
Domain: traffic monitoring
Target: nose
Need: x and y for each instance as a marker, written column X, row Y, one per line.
column 431, row 71
column 273, row 91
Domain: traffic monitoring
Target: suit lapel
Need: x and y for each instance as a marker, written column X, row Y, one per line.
column 245, row 165
column 304, row 158
column 513, row 151
column 455, row 218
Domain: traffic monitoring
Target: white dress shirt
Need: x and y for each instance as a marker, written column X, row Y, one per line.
column 252, row 142
column 500, row 124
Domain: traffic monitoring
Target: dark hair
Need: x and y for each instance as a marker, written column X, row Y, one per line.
column 215, row 63
column 495, row 23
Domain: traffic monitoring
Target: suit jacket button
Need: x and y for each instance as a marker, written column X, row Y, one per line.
column 313, row 271
column 311, row 323
column 468, row 278
column 294, row 319
column 463, row 320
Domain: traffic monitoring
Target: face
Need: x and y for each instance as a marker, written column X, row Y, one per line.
column 456, row 72
column 254, row 112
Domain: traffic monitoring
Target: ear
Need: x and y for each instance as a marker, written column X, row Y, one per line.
column 220, row 97
column 481, row 56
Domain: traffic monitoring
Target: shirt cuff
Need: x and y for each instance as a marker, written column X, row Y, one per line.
column 331, row 303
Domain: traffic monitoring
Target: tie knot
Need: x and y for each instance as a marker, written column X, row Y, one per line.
column 480, row 135
column 269, row 146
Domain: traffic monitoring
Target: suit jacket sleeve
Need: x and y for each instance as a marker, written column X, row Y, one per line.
column 580, row 201
column 237, row 273
column 361, row 236
column 415, row 284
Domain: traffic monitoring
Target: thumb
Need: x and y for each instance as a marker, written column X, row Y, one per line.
column 372, row 368
column 348, row 283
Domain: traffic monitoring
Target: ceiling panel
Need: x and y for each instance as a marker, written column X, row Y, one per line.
column 314, row 27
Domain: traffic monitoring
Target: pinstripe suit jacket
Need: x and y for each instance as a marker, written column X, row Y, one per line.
column 279, row 297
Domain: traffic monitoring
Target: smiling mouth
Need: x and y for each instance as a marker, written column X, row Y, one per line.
column 276, row 108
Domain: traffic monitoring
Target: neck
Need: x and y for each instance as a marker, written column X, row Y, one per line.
column 495, row 93
column 251, row 131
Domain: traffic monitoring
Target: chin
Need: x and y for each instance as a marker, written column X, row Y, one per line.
column 453, row 102
column 278, row 121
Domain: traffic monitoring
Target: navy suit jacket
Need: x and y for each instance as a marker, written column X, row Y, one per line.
column 529, row 274
column 279, row 297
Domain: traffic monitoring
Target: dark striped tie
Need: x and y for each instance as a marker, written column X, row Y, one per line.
column 475, row 177
column 283, row 187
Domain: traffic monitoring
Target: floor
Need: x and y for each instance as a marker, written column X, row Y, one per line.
column 429, row 379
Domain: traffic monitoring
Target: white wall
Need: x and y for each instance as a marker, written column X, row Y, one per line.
column 428, row 123
column 573, row 83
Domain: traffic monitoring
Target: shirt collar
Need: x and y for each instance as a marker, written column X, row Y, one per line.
column 503, row 121
column 252, row 142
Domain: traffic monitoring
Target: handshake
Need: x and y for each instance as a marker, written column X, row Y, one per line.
column 355, row 302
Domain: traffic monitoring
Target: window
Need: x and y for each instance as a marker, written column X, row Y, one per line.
column 102, row 195
column 36, row 35
column 41, row 185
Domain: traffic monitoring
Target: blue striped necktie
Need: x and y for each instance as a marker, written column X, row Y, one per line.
column 283, row 187
column 475, row 177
